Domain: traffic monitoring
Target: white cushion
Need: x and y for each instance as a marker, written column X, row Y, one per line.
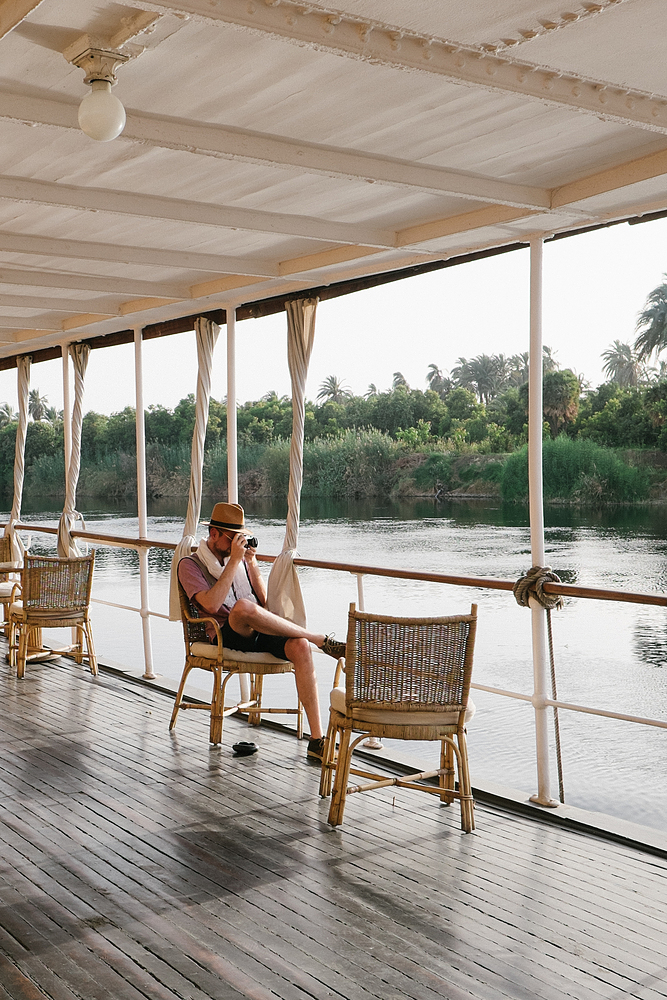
column 16, row 608
column 210, row 652
column 394, row 717
column 6, row 587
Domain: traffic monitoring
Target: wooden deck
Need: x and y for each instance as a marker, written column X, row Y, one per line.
column 139, row 865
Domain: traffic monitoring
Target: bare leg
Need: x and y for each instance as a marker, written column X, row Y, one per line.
column 247, row 617
column 299, row 653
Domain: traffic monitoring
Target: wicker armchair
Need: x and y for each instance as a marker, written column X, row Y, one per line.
column 202, row 654
column 55, row 594
column 8, row 588
column 406, row 679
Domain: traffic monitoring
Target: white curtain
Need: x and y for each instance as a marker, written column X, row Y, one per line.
column 207, row 334
column 284, row 591
column 67, row 547
column 23, row 379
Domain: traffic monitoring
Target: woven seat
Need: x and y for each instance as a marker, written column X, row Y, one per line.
column 223, row 664
column 406, row 679
column 55, row 594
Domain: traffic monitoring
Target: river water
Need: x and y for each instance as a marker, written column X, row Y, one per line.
column 609, row 656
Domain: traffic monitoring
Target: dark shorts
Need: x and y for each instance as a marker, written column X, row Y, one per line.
column 258, row 642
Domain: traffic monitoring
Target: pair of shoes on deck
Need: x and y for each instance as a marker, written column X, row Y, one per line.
column 333, row 648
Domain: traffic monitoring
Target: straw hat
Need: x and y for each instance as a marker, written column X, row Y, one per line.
column 227, row 515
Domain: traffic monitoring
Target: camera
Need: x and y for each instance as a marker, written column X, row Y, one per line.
column 252, row 542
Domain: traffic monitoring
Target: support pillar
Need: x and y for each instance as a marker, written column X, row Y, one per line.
column 141, row 503
column 232, row 442
column 536, row 505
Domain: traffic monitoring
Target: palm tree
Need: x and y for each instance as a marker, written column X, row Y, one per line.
column 37, row 405
column 7, row 415
column 549, row 363
column 53, row 415
column 333, row 390
column 438, row 382
column 518, row 368
column 652, row 324
column 371, row 392
column 623, row 365
column 400, row 381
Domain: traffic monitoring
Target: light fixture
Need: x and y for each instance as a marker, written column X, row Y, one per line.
column 101, row 114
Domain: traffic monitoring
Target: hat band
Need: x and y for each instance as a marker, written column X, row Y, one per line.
column 225, row 524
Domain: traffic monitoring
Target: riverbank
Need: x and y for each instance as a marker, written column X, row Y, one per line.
column 368, row 464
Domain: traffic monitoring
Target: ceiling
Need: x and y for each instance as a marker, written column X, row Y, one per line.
column 273, row 146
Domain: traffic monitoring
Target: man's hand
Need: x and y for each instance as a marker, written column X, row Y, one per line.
column 250, row 556
column 238, row 550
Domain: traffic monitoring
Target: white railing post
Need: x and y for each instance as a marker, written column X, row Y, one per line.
column 232, row 443
column 142, row 509
column 536, row 505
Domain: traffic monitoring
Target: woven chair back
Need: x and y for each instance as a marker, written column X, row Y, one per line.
column 412, row 664
column 6, row 554
column 195, row 631
column 50, row 583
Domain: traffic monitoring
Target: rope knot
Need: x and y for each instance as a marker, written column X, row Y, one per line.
column 531, row 585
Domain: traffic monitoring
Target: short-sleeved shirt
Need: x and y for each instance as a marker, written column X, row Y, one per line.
column 194, row 578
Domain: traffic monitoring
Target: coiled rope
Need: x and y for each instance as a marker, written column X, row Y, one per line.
column 529, row 585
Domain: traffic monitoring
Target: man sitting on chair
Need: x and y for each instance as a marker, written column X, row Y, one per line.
column 223, row 580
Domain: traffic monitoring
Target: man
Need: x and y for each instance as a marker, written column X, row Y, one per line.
column 223, row 579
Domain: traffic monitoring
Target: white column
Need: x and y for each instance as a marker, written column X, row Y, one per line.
column 536, row 505
column 141, row 503
column 67, row 407
column 232, row 446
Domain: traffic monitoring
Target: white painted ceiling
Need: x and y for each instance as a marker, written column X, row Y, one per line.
column 273, row 146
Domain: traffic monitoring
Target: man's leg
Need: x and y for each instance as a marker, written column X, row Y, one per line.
column 299, row 653
column 247, row 617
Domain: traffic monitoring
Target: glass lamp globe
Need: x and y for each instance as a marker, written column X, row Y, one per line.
column 101, row 114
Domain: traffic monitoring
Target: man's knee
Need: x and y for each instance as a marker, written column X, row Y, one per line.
column 298, row 650
column 243, row 611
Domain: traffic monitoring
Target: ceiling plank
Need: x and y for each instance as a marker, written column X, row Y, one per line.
column 490, row 216
column 382, row 44
column 632, row 172
column 148, row 256
column 177, row 210
column 12, row 12
column 53, row 304
column 91, row 283
column 257, row 148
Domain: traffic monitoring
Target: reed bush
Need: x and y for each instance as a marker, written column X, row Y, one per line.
column 576, row 470
column 356, row 464
column 45, row 476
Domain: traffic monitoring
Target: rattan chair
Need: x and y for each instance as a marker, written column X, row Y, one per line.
column 9, row 588
column 406, row 679
column 223, row 663
column 55, row 594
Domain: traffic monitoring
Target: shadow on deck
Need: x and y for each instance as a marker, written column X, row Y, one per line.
column 139, row 865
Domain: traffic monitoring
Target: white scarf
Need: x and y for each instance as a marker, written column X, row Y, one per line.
column 240, row 584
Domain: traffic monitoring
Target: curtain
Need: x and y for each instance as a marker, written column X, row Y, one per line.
column 207, row 334
column 23, row 380
column 284, row 591
column 67, row 547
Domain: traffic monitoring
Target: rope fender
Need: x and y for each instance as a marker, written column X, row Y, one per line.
column 531, row 585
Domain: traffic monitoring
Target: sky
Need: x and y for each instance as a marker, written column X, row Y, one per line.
column 595, row 284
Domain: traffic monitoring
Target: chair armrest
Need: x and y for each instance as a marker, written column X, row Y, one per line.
column 16, row 590
column 339, row 670
column 218, row 633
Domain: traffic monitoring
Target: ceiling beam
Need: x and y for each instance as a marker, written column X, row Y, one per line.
column 146, row 256
column 89, row 199
column 266, row 150
column 386, row 45
column 53, row 304
column 91, row 283
column 12, row 12
column 632, row 172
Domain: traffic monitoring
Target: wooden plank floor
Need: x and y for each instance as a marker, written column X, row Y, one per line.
column 142, row 865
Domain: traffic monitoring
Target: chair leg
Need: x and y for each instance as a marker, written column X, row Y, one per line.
column 13, row 643
column 218, row 706
column 256, row 690
column 340, row 779
column 299, row 719
column 446, row 780
column 90, row 647
column 24, row 634
column 465, row 786
column 179, row 696
column 328, row 759
column 77, row 644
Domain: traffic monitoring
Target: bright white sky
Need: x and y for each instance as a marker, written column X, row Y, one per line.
column 594, row 287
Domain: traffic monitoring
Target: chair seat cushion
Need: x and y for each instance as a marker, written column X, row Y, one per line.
column 387, row 716
column 210, row 652
column 6, row 587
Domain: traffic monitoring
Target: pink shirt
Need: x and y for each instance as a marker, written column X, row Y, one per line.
column 193, row 581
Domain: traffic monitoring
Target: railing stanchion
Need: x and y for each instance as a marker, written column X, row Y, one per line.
column 536, row 506
column 142, row 508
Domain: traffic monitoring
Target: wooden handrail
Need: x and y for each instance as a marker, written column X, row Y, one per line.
column 480, row 582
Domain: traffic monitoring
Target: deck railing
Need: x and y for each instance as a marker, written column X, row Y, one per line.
column 361, row 571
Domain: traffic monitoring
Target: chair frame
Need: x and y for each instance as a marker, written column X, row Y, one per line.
column 225, row 663
column 52, row 599
column 7, row 567
column 336, row 764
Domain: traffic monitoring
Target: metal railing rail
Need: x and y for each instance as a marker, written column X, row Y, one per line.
column 360, row 571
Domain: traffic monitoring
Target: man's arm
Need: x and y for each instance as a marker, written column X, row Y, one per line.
column 213, row 599
column 255, row 577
